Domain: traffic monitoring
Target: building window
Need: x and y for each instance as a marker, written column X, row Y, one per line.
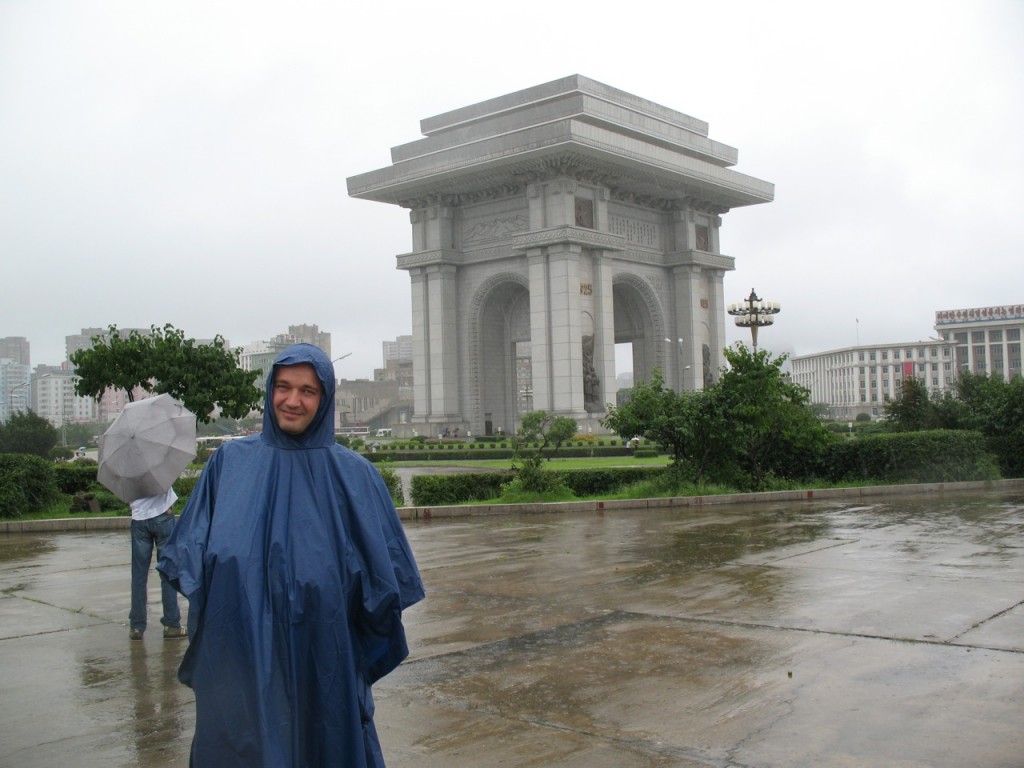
column 935, row 381
column 895, row 354
column 945, row 351
column 995, row 335
column 885, row 354
column 978, row 337
column 1013, row 334
column 860, row 357
column 934, row 351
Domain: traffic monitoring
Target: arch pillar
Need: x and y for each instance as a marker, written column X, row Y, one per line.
column 435, row 343
column 555, row 329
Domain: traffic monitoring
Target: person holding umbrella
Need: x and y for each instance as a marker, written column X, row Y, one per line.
column 297, row 570
column 140, row 456
column 152, row 524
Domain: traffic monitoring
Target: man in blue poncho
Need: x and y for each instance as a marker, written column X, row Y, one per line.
column 296, row 569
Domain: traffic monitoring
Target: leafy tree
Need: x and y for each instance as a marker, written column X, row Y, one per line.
column 912, row 410
column 771, row 428
column 551, row 432
column 28, row 433
column 751, row 425
column 684, row 423
column 202, row 377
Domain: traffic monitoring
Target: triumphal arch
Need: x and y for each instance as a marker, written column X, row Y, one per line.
column 549, row 225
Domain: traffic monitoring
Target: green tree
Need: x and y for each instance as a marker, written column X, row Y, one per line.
column 912, row 410
column 202, row 377
column 770, row 426
column 27, row 433
column 685, row 423
column 550, row 432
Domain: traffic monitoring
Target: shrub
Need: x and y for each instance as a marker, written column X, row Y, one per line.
column 437, row 490
column 932, row 456
column 184, row 486
column 72, row 479
column 394, row 484
column 27, row 484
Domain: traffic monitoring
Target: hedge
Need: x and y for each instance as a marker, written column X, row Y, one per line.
column 72, row 479
column 27, row 484
column 441, row 490
column 934, row 456
column 482, row 452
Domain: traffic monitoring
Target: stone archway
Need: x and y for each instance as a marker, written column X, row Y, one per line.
column 639, row 321
column 500, row 347
column 547, row 225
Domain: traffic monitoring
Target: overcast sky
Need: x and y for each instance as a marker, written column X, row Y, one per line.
column 184, row 162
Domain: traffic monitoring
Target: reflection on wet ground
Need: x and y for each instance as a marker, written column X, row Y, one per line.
column 797, row 634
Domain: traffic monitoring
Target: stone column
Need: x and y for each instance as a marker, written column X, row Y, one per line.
column 604, row 327
column 716, row 320
column 565, row 333
column 442, row 335
column 540, row 342
column 420, row 345
column 686, row 284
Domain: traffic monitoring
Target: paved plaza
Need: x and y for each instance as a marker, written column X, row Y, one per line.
column 884, row 631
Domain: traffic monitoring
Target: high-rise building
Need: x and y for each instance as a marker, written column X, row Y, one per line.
column 399, row 349
column 14, row 388
column 259, row 355
column 54, row 397
column 15, row 348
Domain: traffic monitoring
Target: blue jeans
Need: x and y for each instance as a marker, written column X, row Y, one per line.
column 146, row 533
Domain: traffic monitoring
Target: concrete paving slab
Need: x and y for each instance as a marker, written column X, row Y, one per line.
column 830, row 633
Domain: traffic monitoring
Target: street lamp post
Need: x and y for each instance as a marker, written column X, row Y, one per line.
column 682, row 368
column 753, row 313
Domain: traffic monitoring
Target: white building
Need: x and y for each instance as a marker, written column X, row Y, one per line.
column 14, row 388
column 987, row 339
column 862, row 379
column 54, row 398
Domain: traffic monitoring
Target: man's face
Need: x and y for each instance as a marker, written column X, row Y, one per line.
column 296, row 397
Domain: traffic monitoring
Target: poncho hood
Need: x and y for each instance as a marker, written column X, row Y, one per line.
column 321, row 430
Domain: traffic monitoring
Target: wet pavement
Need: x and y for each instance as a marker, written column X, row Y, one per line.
column 882, row 632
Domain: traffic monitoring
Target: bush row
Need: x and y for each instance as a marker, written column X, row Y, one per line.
column 902, row 457
column 441, row 490
column 464, row 453
column 27, row 484
column 933, row 456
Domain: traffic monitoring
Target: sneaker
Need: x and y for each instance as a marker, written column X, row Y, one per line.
column 134, row 634
column 175, row 633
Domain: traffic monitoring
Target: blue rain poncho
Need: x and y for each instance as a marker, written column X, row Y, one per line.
column 296, row 569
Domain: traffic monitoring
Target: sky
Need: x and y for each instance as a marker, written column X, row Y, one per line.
column 185, row 162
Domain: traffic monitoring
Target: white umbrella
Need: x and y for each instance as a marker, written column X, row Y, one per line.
column 149, row 444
